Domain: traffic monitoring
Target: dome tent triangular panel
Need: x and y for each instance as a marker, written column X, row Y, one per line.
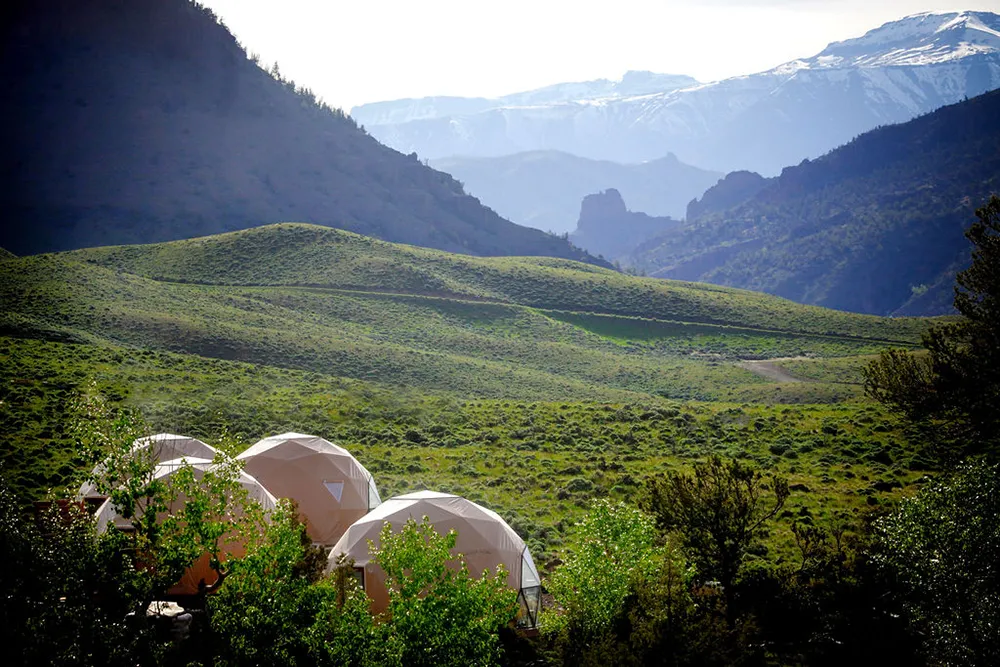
column 484, row 538
column 107, row 516
column 332, row 489
column 160, row 448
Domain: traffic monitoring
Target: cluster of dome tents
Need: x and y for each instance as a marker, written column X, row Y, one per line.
column 340, row 504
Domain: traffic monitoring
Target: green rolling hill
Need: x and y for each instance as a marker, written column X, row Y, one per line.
column 323, row 300
column 437, row 369
column 312, row 256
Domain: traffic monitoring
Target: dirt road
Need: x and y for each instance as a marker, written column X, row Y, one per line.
column 769, row 369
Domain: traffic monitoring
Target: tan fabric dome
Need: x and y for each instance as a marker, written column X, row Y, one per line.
column 201, row 570
column 484, row 538
column 331, row 488
column 163, row 447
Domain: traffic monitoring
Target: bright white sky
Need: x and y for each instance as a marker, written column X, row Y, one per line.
column 355, row 51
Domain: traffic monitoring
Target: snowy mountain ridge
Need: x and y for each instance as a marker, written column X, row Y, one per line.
column 598, row 91
column 761, row 122
column 920, row 39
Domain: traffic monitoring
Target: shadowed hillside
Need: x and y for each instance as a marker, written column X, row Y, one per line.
column 875, row 226
column 142, row 121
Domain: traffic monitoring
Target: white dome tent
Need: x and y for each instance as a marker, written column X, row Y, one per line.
column 484, row 538
column 201, row 570
column 331, row 488
column 161, row 447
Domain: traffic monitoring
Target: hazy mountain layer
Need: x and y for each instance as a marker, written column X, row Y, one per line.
column 144, row 121
column 630, row 85
column 760, row 122
column 543, row 189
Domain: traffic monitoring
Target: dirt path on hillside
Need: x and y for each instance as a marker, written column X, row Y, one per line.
column 769, row 368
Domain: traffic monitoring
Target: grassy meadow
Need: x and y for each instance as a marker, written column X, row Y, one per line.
column 531, row 385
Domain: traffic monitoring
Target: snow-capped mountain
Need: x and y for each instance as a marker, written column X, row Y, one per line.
column 426, row 108
column 762, row 122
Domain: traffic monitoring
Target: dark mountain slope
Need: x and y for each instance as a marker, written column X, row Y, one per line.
column 875, row 226
column 140, row 121
column 733, row 190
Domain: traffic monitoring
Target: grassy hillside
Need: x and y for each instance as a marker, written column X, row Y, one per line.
column 529, row 384
column 147, row 121
column 874, row 226
column 304, row 255
column 322, row 300
column 464, row 346
column 537, row 462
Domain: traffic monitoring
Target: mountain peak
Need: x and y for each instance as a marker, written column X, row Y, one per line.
column 919, row 39
column 602, row 205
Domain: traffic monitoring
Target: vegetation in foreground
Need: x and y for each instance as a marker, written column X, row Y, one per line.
column 676, row 586
column 717, row 565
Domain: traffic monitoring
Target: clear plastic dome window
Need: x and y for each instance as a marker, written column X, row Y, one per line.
column 529, row 573
column 374, row 500
column 529, row 603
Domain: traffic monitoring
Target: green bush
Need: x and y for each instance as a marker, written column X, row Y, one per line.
column 439, row 616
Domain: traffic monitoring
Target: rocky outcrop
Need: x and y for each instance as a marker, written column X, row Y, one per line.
column 736, row 188
column 606, row 226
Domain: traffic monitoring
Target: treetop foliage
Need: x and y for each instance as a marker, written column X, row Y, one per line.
column 954, row 389
column 942, row 546
column 439, row 615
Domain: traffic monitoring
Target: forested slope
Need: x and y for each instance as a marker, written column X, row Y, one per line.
column 875, row 226
column 147, row 121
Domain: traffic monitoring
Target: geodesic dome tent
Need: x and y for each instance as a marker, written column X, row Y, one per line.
column 484, row 538
column 108, row 516
column 331, row 488
column 161, row 447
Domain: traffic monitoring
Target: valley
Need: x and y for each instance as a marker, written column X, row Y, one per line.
column 742, row 413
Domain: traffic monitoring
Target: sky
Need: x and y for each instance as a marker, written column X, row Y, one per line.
column 351, row 52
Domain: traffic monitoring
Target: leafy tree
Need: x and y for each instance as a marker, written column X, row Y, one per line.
column 718, row 511
column 627, row 600
column 955, row 387
column 942, row 546
column 616, row 547
column 64, row 591
column 172, row 524
column 273, row 610
column 439, row 615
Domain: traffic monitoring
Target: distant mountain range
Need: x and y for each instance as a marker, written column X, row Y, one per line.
column 543, row 189
column 425, row 108
column 875, row 226
column 141, row 121
column 759, row 122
